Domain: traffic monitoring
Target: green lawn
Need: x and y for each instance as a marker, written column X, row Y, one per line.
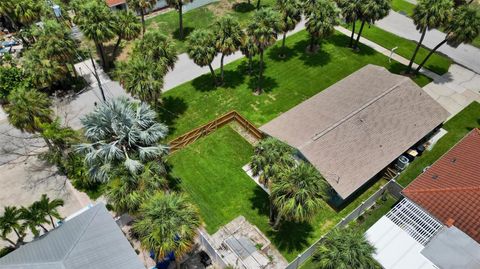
column 437, row 63
column 364, row 222
column 210, row 170
column 403, row 7
column 203, row 17
column 287, row 83
column 457, row 128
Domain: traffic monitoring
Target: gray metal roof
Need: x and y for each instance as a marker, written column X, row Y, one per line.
column 453, row 249
column 356, row 127
column 90, row 240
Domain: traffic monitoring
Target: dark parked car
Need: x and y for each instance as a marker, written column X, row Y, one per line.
column 204, row 258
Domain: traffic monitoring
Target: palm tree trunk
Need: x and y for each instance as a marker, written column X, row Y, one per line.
column 11, row 242
column 221, row 68
column 312, row 43
column 49, row 144
column 353, row 34
column 142, row 14
column 424, row 31
column 180, row 17
column 177, row 264
column 430, row 54
column 250, row 63
column 260, row 77
column 283, row 44
column 117, row 45
column 43, row 228
column 258, row 4
column 359, row 34
column 272, row 213
column 213, row 74
column 277, row 222
column 51, row 220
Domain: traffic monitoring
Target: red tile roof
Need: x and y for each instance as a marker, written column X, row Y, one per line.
column 112, row 3
column 450, row 188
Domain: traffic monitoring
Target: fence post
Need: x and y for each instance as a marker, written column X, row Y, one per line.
column 298, row 260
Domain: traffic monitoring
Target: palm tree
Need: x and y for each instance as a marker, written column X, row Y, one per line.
column 464, row 28
column 42, row 71
column 263, row 30
column 291, row 12
column 350, row 10
column 27, row 11
column 427, row 15
column 49, row 207
column 201, row 49
column 298, row 193
column 126, row 192
column 158, row 47
column 168, row 222
column 97, row 23
column 178, row 5
column 228, row 38
column 249, row 49
column 141, row 6
column 346, row 248
column 34, row 217
column 127, row 27
column 27, row 108
column 10, row 222
column 121, row 133
column 143, row 79
column 321, row 21
column 371, row 11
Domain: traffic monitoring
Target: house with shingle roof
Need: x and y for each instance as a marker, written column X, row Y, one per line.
column 437, row 225
column 91, row 240
column 354, row 129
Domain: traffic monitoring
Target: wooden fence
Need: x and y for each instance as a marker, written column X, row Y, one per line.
column 204, row 130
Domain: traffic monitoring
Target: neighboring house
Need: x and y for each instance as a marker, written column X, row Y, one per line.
column 122, row 5
column 354, row 129
column 437, row 225
column 91, row 240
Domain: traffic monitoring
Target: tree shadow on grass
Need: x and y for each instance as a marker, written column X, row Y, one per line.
column 260, row 201
column 204, row 83
column 268, row 84
column 275, row 52
column 319, row 58
column 186, row 31
column 233, row 78
column 171, row 109
column 341, row 40
column 292, row 236
column 243, row 7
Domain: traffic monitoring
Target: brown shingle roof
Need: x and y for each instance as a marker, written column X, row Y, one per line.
column 112, row 3
column 450, row 188
column 356, row 127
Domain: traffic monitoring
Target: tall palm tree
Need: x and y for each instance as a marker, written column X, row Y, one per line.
column 263, row 30
column 49, row 207
column 291, row 12
column 142, row 6
column 249, row 49
column 158, row 47
column 298, row 193
column 228, row 38
column 427, row 15
column 463, row 28
column 34, row 217
column 343, row 249
column 124, row 133
column 127, row 27
column 142, row 78
column 10, row 222
column 201, row 49
column 126, row 192
column 97, row 23
column 27, row 11
column 321, row 21
column 27, row 108
column 350, row 10
column 371, row 11
column 42, row 71
column 168, row 222
column 178, row 5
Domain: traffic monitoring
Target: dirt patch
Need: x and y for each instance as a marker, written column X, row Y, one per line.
column 223, row 7
column 244, row 133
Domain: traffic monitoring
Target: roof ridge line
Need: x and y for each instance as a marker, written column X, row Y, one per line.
column 81, row 235
column 473, row 188
column 355, row 112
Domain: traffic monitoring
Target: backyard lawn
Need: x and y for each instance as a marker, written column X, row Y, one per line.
column 287, row 83
column 457, row 128
column 437, row 63
column 210, row 171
